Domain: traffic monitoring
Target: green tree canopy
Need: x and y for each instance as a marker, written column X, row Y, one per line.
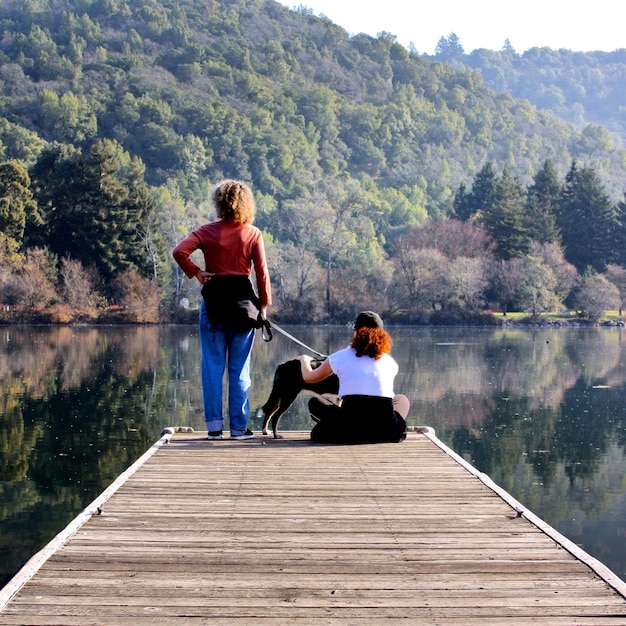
column 586, row 219
column 505, row 217
column 544, row 196
column 17, row 206
column 480, row 198
column 92, row 210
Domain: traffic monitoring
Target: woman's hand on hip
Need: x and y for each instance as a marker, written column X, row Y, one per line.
column 204, row 277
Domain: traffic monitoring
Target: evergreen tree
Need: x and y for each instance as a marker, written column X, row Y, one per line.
column 17, row 206
column 54, row 177
column 543, row 203
column 505, row 219
column 450, row 49
column 587, row 220
column 93, row 211
column 483, row 189
column 109, row 225
column 474, row 203
column 461, row 204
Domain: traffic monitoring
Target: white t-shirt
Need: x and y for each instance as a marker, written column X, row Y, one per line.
column 363, row 375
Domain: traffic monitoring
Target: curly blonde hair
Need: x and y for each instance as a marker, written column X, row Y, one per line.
column 234, row 202
column 373, row 342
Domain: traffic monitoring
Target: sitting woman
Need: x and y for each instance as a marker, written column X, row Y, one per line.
column 369, row 411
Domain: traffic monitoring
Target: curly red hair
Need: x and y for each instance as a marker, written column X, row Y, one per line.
column 372, row 342
column 234, row 202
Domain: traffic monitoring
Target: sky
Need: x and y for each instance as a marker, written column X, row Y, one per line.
column 578, row 26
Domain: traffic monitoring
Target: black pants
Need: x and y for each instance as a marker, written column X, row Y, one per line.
column 359, row 419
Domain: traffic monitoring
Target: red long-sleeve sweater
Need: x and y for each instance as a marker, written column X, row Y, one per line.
column 228, row 249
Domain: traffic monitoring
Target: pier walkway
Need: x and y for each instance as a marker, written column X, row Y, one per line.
column 285, row 532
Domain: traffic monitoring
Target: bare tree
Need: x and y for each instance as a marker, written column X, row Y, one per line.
column 467, row 281
column 617, row 275
column 139, row 296
column 596, row 294
column 505, row 278
column 421, row 272
column 454, row 238
column 297, row 282
column 78, row 287
column 536, row 291
column 34, row 285
column 552, row 255
column 525, row 283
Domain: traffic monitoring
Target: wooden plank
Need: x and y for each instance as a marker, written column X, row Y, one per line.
column 285, row 532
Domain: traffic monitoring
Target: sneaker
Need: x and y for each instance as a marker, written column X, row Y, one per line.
column 247, row 435
column 215, row 434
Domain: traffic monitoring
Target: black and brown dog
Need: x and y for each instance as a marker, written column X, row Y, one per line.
column 288, row 383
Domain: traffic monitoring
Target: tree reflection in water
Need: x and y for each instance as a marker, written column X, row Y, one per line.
column 541, row 411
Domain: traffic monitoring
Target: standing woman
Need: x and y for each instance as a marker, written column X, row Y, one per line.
column 370, row 411
column 231, row 246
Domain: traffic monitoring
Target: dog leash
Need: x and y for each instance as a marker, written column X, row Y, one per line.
column 286, row 334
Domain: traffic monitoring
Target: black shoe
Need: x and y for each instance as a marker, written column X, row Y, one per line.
column 215, row 434
column 247, row 435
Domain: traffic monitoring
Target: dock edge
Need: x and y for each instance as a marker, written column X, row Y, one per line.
column 32, row 566
column 606, row 574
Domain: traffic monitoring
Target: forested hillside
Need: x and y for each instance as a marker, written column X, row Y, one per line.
column 579, row 87
column 118, row 116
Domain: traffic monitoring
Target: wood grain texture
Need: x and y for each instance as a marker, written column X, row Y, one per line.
column 284, row 532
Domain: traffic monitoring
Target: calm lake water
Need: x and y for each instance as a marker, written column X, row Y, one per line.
column 543, row 412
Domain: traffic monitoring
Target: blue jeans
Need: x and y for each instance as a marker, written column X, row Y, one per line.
column 221, row 345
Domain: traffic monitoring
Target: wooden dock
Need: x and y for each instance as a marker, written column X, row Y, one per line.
column 285, row 532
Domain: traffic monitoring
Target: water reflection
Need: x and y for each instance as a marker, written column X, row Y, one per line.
column 542, row 412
